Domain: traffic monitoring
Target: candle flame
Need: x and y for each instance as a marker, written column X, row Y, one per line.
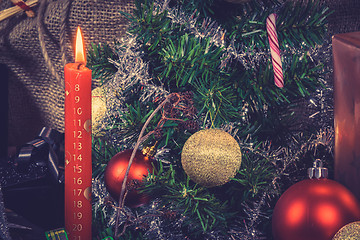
column 79, row 48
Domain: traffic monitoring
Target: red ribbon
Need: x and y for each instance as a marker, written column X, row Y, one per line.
column 23, row 6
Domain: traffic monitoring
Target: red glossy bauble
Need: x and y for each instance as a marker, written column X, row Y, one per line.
column 115, row 173
column 314, row 209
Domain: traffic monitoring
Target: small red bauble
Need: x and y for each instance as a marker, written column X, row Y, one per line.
column 115, row 173
column 314, row 209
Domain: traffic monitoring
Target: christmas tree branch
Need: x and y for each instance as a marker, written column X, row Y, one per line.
column 223, row 58
column 139, row 141
column 201, row 209
column 98, row 61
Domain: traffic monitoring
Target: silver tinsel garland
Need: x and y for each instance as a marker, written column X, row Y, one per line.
column 4, row 229
column 132, row 70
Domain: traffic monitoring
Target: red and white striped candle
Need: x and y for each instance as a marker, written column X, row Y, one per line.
column 275, row 50
column 78, row 170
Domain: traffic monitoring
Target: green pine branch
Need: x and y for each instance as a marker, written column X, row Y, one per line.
column 102, row 152
column 203, row 8
column 298, row 25
column 256, row 173
column 203, row 211
column 98, row 58
column 216, row 101
column 151, row 25
column 246, row 97
column 306, row 25
column 180, row 60
column 186, row 60
column 130, row 119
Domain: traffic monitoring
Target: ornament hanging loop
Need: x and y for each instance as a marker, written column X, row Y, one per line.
column 317, row 171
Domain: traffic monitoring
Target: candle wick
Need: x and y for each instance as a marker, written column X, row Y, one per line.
column 80, row 66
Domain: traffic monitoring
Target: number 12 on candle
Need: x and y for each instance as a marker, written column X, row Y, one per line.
column 78, row 171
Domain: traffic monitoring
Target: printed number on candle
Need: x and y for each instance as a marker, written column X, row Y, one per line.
column 77, row 192
column 78, row 181
column 78, row 111
column 79, row 146
column 79, row 157
column 78, row 122
column 77, row 227
column 77, row 134
column 78, row 204
column 77, row 168
column 78, row 215
column 78, row 149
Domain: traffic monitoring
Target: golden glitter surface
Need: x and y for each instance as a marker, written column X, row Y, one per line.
column 98, row 109
column 350, row 231
column 211, row 157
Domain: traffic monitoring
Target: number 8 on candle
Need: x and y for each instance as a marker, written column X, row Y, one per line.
column 78, row 147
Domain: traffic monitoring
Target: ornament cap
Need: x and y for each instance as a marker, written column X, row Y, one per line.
column 149, row 151
column 317, row 171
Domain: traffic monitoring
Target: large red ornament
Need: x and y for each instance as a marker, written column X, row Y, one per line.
column 115, row 173
column 314, row 209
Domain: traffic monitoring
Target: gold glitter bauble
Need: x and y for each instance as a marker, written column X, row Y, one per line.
column 350, row 231
column 98, row 109
column 211, row 157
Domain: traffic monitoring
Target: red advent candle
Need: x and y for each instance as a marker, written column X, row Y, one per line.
column 78, row 169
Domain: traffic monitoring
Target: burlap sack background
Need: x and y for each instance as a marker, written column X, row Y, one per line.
column 36, row 96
